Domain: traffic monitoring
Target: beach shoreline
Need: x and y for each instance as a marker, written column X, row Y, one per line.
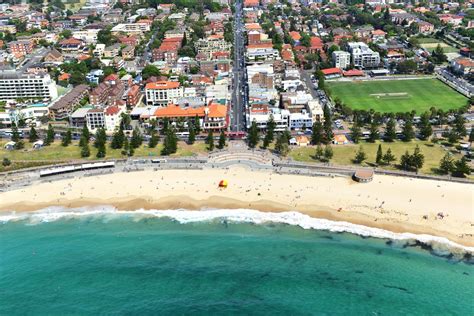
column 399, row 205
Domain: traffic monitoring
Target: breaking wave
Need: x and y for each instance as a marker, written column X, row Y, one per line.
column 437, row 245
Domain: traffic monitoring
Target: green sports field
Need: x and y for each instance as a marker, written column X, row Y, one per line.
column 397, row 95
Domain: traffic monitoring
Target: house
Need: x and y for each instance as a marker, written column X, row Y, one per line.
column 112, row 51
column 332, row 73
column 71, row 45
column 53, row 57
column 378, row 35
column 340, row 139
column 462, row 66
column 128, row 52
column 425, row 27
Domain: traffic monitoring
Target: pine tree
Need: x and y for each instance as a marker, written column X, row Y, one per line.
column 33, row 137
column 355, row 132
column 459, row 126
column 210, row 140
column 281, row 145
column 137, row 138
column 379, row 157
column 328, row 125
column 408, row 131
column 49, row 136
column 390, row 132
column 374, row 131
column 126, row 147
column 221, row 143
column 360, row 156
column 253, row 137
column 461, row 168
column 154, row 139
column 101, row 152
column 85, row 133
column 319, row 152
column 269, row 135
column 388, row 158
column 425, row 126
column 117, row 139
column 317, row 136
column 16, row 138
column 85, row 151
column 446, row 164
column 170, row 144
column 197, row 125
column 67, row 138
column 405, row 161
column 192, row 135
column 417, row 159
column 328, row 153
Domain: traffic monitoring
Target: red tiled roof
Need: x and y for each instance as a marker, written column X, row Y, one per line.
column 161, row 85
column 353, row 72
column 331, row 71
column 112, row 110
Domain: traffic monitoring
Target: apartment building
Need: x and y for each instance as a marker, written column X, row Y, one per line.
column 95, row 118
column 162, row 92
column 341, row 59
column 212, row 44
column 131, row 28
column 17, row 85
column 65, row 105
column 363, row 56
column 21, row 48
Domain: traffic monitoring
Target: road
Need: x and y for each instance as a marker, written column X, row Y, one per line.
column 239, row 90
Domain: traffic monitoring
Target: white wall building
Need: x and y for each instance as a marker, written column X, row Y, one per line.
column 162, row 92
column 341, row 59
column 14, row 85
column 363, row 56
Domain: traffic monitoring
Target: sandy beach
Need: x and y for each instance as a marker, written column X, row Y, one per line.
column 393, row 203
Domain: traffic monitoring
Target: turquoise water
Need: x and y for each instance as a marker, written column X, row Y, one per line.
column 125, row 265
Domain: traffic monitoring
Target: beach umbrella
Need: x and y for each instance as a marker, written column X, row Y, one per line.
column 223, row 184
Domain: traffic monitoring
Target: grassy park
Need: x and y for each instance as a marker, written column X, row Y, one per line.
column 343, row 154
column 430, row 44
column 395, row 96
column 56, row 153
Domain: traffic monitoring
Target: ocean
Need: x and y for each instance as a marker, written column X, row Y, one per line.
column 99, row 261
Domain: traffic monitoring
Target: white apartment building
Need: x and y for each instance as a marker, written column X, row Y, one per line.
column 14, row 85
column 212, row 44
column 131, row 28
column 112, row 118
column 95, row 119
column 363, row 56
column 341, row 59
column 261, row 54
column 89, row 36
column 162, row 92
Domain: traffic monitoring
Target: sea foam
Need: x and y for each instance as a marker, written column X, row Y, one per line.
column 438, row 245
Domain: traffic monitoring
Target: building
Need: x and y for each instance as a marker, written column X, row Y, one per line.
column 341, row 59
column 462, row 66
column 53, row 57
column 131, row 28
column 162, row 92
column 112, row 51
column 363, row 56
column 95, row 118
column 133, row 96
column 21, row 48
column 65, row 105
column 212, row 44
column 112, row 116
column 16, row 85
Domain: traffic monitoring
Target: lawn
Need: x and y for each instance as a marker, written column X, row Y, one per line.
column 397, row 95
column 57, row 153
column 430, row 44
column 343, row 154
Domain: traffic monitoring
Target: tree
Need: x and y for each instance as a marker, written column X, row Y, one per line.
column 101, row 152
column 319, row 152
column 170, row 144
column 210, row 141
column 379, row 156
column 65, row 34
column 221, row 143
column 417, row 159
column 281, row 145
column 150, row 71
column 356, row 132
column 16, row 137
column 100, row 138
column 154, row 139
column 425, row 126
column 85, row 151
column 49, row 136
column 388, row 158
column 360, row 156
column 446, row 164
column 328, row 125
column 117, row 139
column 408, row 131
column 317, row 133
column 438, row 56
column 405, row 161
column 461, row 168
column 459, row 125
column 374, row 131
column 105, row 37
column 253, row 137
column 137, row 138
column 197, row 125
column 192, row 135
column 269, row 136
column 6, row 162
column 67, row 138
column 85, row 133
column 390, row 132
column 328, row 153
column 471, row 135
column 33, row 137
